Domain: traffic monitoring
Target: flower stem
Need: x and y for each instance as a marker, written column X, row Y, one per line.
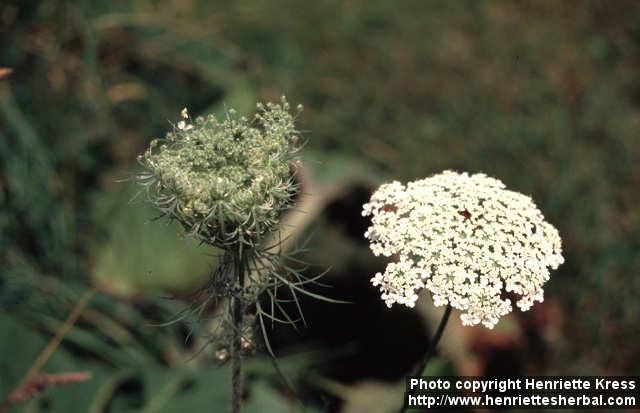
column 432, row 346
column 237, row 310
column 435, row 340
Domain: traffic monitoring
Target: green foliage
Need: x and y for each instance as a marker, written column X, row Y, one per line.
column 147, row 387
column 134, row 254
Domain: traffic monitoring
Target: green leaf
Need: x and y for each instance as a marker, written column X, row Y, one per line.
column 137, row 255
column 169, row 391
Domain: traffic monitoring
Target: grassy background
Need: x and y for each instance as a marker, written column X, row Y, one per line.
column 544, row 95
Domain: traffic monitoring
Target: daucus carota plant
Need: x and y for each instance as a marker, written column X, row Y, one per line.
column 228, row 181
column 464, row 238
column 467, row 240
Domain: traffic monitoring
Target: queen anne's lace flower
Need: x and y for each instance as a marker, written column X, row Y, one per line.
column 225, row 180
column 466, row 239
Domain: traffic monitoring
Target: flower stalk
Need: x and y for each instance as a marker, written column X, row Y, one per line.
column 237, row 318
column 433, row 345
column 434, row 341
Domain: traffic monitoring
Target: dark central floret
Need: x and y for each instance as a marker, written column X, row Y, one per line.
column 466, row 214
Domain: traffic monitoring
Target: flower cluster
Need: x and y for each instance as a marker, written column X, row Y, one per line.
column 226, row 181
column 466, row 239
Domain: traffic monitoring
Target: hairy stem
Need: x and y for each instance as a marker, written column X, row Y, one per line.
column 237, row 315
column 432, row 345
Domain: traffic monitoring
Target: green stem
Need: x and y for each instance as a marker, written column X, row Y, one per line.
column 237, row 315
column 435, row 340
column 432, row 345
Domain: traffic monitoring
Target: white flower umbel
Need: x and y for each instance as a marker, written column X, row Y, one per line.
column 466, row 239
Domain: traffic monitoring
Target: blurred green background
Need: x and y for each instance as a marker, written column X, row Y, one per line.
column 544, row 95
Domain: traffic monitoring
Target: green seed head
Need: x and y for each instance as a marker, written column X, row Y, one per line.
column 225, row 180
